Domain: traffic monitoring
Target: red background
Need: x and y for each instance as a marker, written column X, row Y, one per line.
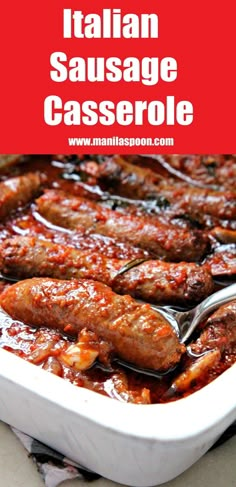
column 200, row 35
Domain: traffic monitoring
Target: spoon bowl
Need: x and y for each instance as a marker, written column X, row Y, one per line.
column 185, row 322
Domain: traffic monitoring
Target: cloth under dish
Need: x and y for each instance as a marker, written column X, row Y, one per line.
column 55, row 468
column 52, row 465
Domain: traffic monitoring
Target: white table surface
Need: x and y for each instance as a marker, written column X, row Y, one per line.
column 217, row 468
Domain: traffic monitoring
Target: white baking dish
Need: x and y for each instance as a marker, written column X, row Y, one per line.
column 138, row 445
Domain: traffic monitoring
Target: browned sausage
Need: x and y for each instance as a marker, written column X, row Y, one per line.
column 197, row 201
column 110, row 247
column 216, row 347
column 138, row 334
column 165, row 241
column 135, row 182
column 225, row 314
column 8, row 160
column 124, row 178
column 153, row 280
column 210, row 169
column 224, row 235
column 222, row 261
column 220, row 330
column 18, row 191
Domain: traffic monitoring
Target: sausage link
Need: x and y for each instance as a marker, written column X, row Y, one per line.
column 211, row 169
column 138, row 334
column 125, row 178
column 8, row 160
column 223, row 261
column 135, row 182
column 225, row 314
column 219, row 331
column 166, row 241
column 197, row 201
column 18, row 191
column 153, row 280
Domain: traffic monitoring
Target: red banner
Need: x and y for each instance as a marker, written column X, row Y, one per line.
column 110, row 76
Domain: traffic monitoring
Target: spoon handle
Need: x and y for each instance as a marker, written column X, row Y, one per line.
column 205, row 307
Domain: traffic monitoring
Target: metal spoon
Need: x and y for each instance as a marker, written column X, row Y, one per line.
column 185, row 322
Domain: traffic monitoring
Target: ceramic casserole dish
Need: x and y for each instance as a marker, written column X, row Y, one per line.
column 52, row 213
column 137, row 445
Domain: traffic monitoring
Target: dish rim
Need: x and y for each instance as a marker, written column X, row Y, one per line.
column 154, row 422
